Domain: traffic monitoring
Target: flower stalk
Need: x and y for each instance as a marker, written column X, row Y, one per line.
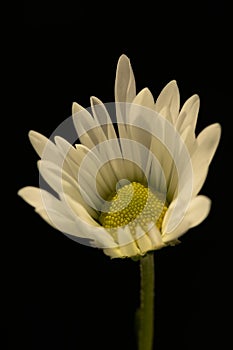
column 145, row 314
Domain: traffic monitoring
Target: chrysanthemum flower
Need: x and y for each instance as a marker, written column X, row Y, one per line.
column 131, row 187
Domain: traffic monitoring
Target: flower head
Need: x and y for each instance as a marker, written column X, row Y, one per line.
column 131, row 184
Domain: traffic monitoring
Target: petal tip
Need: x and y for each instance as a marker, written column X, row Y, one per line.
column 123, row 57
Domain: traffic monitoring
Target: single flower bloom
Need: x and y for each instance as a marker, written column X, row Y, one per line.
column 132, row 187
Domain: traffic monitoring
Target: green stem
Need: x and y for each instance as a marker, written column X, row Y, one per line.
column 146, row 311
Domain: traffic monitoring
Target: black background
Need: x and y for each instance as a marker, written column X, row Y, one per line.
column 67, row 296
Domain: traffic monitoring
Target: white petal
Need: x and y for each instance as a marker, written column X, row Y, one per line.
column 102, row 239
column 113, row 252
column 78, row 209
column 44, row 147
column 207, row 143
column 62, row 223
column 54, row 175
column 144, row 98
column 92, row 135
column 44, row 215
column 126, row 242
column 155, row 236
column 67, row 150
column 137, row 158
column 143, row 241
column 188, row 114
column 166, row 113
column 197, row 211
column 73, row 164
column 59, row 180
column 171, row 153
column 88, row 130
column 188, row 137
column 77, row 196
column 169, row 97
column 98, row 235
column 35, row 196
column 62, row 182
column 72, row 158
column 125, row 89
column 44, row 202
column 78, row 229
column 102, row 117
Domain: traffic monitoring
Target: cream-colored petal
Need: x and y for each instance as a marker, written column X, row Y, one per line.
column 78, row 210
column 166, row 113
column 96, row 140
column 155, row 236
column 141, row 126
column 62, row 182
column 113, row 252
column 67, row 150
column 110, row 150
column 54, row 175
column 74, row 226
column 197, row 211
column 136, row 157
column 171, row 153
column 144, row 98
column 44, row 147
column 103, row 118
column 169, row 97
column 35, row 196
column 199, row 179
column 126, row 242
column 77, row 196
column 207, row 143
column 125, row 88
column 89, row 133
column 181, row 170
column 99, row 237
column 188, row 114
column 188, row 137
column 102, row 239
column 97, row 163
column 62, row 222
column 73, row 159
column 44, row 202
column 143, row 241
column 44, row 215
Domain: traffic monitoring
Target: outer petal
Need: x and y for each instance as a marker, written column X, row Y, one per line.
column 125, row 88
column 58, row 215
column 169, row 97
column 143, row 241
column 188, row 114
column 126, row 242
column 207, row 143
column 89, row 131
column 78, row 209
column 155, row 236
column 197, row 211
column 37, row 198
column 144, row 98
column 43, row 202
column 62, row 182
column 44, row 147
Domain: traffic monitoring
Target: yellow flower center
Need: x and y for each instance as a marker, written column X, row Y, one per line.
column 133, row 205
